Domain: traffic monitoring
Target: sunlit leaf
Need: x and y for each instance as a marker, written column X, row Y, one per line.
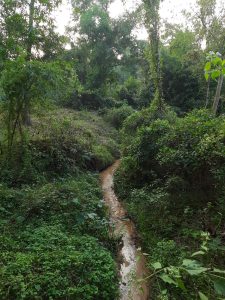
column 215, row 74
column 157, row 265
column 198, row 253
column 207, row 76
column 208, row 66
column 202, row 296
column 218, row 271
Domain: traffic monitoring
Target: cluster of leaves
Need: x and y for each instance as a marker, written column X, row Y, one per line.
column 55, row 242
column 133, row 92
column 23, row 27
column 176, row 275
column 215, row 66
column 173, row 172
column 182, row 60
column 116, row 116
column 89, row 100
column 191, row 148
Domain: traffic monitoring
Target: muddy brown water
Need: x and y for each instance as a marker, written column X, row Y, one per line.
column 132, row 264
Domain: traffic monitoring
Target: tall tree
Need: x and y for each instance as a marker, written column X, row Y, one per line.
column 209, row 26
column 152, row 22
column 215, row 69
column 100, row 42
column 27, row 26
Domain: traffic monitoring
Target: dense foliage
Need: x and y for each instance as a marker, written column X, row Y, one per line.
column 55, row 242
column 70, row 105
column 59, row 142
column 172, row 181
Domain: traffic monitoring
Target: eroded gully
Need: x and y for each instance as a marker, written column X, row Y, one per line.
column 132, row 266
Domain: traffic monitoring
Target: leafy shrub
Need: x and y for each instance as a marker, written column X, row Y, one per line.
column 171, row 179
column 182, row 278
column 73, row 202
column 90, row 100
column 135, row 93
column 116, row 116
column 129, row 92
column 166, row 252
column 61, row 142
column 102, row 157
column 142, row 118
column 54, row 242
column 50, row 264
column 191, row 148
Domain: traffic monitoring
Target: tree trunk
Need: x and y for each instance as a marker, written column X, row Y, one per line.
column 30, row 29
column 207, row 94
column 152, row 24
column 218, row 93
column 26, row 113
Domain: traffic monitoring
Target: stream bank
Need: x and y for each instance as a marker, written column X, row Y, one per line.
column 132, row 265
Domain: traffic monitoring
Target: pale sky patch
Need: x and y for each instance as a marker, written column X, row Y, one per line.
column 171, row 11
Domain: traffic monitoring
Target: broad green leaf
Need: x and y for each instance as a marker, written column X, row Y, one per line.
column 219, row 285
column 202, row 296
column 164, row 292
column 208, row 66
column 207, row 76
column 198, row 271
column 198, row 253
column 217, row 61
column 167, row 279
column 215, row 74
column 193, row 267
column 191, row 263
column 218, row 271
column 180, row 284
column 157, row 265
column 204, row 248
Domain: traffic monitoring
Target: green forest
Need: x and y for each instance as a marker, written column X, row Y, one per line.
column 73, row 104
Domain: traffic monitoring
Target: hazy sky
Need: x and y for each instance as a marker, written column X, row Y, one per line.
column 170, row 10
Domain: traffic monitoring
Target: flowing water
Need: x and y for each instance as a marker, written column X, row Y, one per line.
column 132, row 262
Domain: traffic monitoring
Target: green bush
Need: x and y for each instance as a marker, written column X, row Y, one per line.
column 134, row 92
column 60, row 142
column 55, row 242
column 75, row 203
column 89, row 100
column 190, row 148
column 116, row 116
column 172, row 178
column 50, row 264
column 130, row 91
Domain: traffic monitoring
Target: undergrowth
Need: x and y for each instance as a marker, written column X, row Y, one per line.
column 55, row 242
column 172, row 182
column 59, row 142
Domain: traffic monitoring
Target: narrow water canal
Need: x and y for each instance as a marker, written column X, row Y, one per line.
column 132, row 262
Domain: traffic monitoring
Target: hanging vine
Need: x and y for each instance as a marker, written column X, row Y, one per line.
column 152, row 21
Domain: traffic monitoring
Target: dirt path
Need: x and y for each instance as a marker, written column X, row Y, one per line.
column 132, row 261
